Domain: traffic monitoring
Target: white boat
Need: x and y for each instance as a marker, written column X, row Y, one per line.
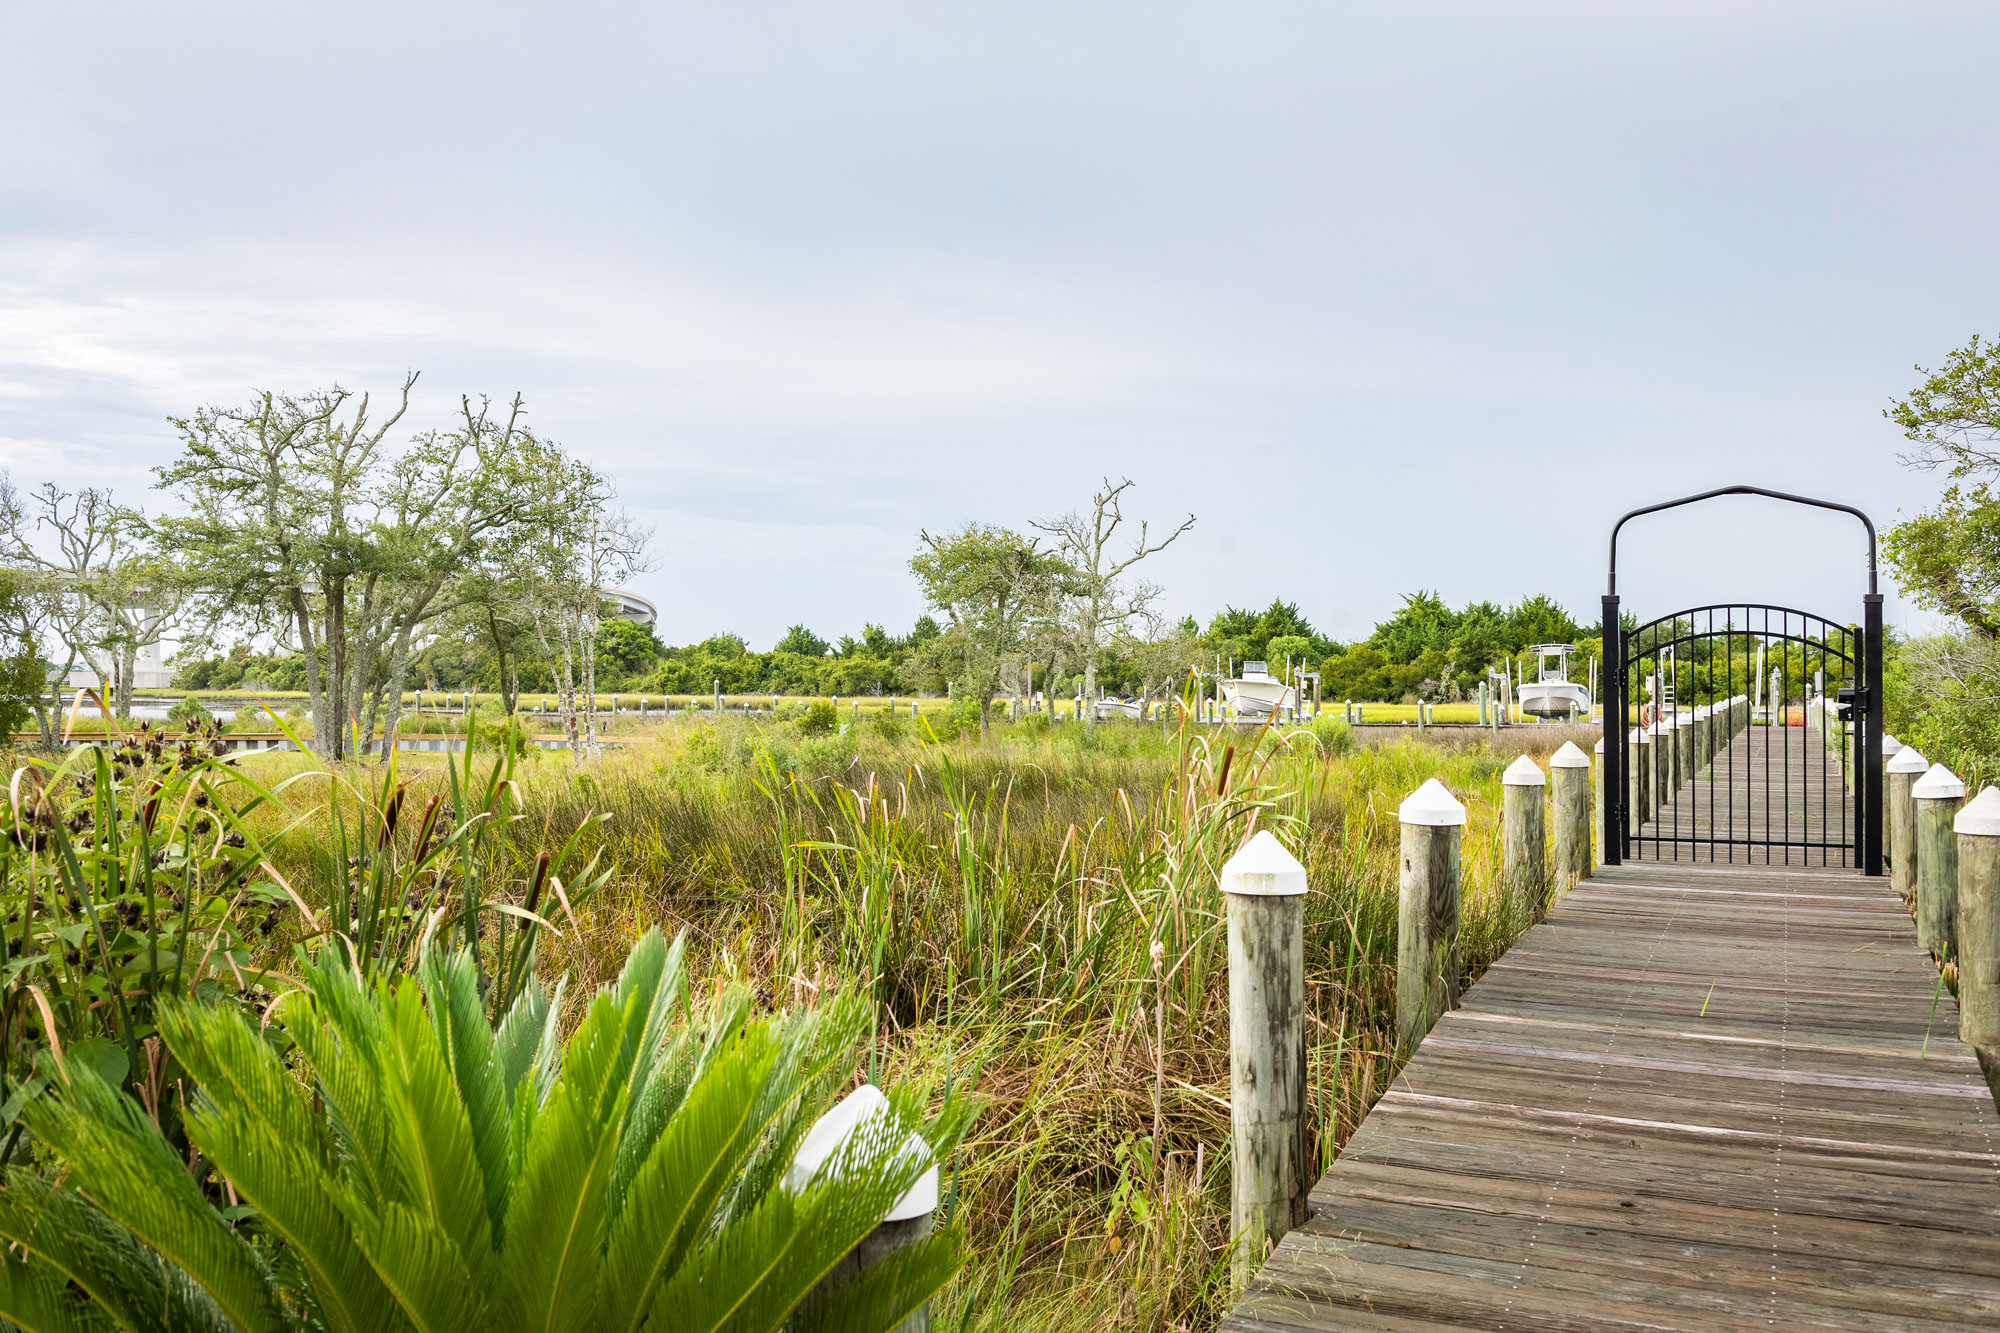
column 1257, row 693
column 1552, row 693
column 1117, row 708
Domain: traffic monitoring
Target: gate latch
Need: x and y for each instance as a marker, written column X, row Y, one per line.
column 1849, row 697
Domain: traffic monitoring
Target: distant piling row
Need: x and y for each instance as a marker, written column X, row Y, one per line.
column 1671, row 752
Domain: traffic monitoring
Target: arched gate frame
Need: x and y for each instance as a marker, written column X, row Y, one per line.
column 1642, row 665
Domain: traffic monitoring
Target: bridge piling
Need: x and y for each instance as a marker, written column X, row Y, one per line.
column 1978, row 830
column 1597, row 798
column 1427, row 911
column 1524, row 870
column 1569, row 805
column 1979, row 931
column 1904, row 770
column 1264, row 887
column 1938, row 795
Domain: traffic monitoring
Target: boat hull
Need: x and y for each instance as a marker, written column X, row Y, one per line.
column 1258, row 698
column 1553, row 698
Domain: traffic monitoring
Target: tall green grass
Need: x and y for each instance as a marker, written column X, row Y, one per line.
column 1036, row 918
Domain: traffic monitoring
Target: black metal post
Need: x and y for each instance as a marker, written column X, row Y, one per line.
column 1612, row 697
column 1870, row 749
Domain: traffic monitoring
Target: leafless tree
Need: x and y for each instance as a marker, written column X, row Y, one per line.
column 1101, row 605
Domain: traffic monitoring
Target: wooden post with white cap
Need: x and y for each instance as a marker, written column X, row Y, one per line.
column 1427, row 911
column 1978, row 830
column 1641, row 753
column 908, row 1219
column 1264, row 887
column 1937, row 796
column 1569, row 806
column 1597, row 794
column 1903, row 772
column 1524, row 865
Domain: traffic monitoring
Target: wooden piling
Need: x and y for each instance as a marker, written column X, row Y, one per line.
column 1902, row 773
column 1569, row 806
column 1427, row 911
column 1597, row 793
column 1640, row 755
column 1263, row 886
column 908, row 1219
column 1937, row 796
column 1524, row 864
column 1978, row 830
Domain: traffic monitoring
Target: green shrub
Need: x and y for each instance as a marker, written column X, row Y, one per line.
column 891, row 726
column 791, row 710
column 190, row 712
column 958, row 718
column 1332, row 733
column 1032, row 725
column 700, row 749
column 825, row 756
column 820, row 719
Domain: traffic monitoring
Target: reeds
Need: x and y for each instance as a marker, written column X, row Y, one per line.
column 1036, row 918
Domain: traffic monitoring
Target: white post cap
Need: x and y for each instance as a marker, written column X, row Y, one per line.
column 1262, row 868
column 1571, row 757
column 1940, row 784
column 1523, row 773
column 1890, row 745
column 847, row 1117
column 1981, row 815
column 1599, row 747
column 1640, row 736
column 1909, row 759
column 1431, row 804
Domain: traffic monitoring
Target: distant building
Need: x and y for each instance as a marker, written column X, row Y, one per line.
column 633, row 607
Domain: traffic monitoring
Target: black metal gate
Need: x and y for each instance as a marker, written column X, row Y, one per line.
column 1744, row 732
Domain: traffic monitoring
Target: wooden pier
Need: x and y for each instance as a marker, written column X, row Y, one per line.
column 1695, row 1097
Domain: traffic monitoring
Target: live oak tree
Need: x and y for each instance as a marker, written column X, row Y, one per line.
column 1947, row 558
column 1102, row 602
column 302, row 522
column 992, row 584
column 87, row 571
column 570, row 545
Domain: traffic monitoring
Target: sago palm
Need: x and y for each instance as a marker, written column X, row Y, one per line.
column 420, row 1170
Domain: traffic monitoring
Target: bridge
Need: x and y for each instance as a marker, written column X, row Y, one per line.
column 1719, row 1086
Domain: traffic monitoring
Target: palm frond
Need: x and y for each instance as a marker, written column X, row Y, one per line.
column 888, row 1291
column 452, row 987
column 671, row 1199
column 251, row 1118
column 430, row 1130
column 38, row 1299
column 118, row 1159
column 419, row 1263
column 556, row 1216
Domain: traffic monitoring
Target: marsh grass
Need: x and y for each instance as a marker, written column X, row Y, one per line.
column 1035, row 918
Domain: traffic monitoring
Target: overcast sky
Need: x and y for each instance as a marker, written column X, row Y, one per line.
column 1388, row 296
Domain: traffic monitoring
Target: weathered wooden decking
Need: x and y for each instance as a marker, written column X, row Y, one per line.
column 1694, row 1097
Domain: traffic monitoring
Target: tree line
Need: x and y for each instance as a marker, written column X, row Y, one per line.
column 301, row 524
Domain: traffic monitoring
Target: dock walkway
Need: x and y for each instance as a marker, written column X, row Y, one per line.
column 1694, row 1097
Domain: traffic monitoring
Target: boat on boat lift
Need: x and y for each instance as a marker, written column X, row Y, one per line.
column 1552, row 693
column 1257, row 693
